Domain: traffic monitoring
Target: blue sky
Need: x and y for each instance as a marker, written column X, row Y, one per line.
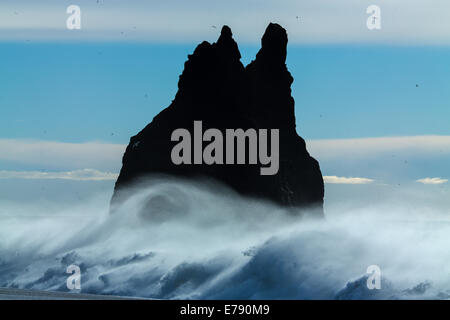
column 70, row 100
column 109, row 91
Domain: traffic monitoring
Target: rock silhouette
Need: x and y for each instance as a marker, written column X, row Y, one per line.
column 217, row 89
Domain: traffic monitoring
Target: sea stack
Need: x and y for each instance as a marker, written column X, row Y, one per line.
column 216, row 89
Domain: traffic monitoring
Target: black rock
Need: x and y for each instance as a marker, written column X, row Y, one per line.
column 217, row 89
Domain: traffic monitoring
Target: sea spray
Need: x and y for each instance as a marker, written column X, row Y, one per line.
column 207, row 242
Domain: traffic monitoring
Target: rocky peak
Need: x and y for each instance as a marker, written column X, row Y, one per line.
column 216, row 89
column 226, row 45
column 274, row 44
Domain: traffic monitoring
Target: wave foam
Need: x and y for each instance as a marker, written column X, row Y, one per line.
column 215, row 245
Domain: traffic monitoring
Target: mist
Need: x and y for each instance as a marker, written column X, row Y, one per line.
column 203, row 241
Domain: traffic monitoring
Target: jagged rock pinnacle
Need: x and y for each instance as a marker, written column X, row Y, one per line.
column 226, row 32
column 218, row 90
column 227, row 45
column 274, row 43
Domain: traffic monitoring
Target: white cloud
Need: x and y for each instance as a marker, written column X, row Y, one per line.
column 320, row 21
column 432, row 180
column 368, row 147
column 346, row 180
column 83, row 175
column 52, row 155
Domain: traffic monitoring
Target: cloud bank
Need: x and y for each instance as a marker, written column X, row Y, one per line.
column 311, row 21
column 83, row 175
column 369, row 147
column 61, row 156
